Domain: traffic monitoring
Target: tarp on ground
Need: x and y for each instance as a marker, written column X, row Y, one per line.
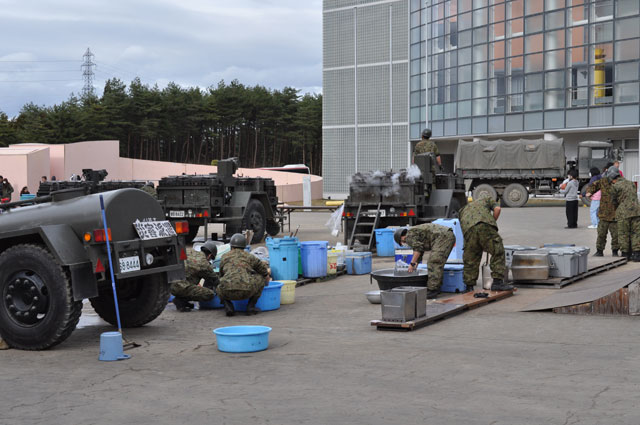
column 510, row 154
column 589, row 289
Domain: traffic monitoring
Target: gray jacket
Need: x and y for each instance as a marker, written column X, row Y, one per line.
column 571, row 191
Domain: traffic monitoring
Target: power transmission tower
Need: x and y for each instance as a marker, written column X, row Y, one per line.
column 87, row 73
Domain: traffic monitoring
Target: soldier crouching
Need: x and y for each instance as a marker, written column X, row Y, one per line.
column 242, row 276
column 197, row 267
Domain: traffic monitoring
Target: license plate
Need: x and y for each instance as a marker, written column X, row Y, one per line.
column 372, row 213
column 176, row 214
column 129, row 264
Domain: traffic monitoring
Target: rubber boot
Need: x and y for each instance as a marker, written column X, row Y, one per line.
column 635, row 257
column 499, row 285
column 251, row 306
column 228, row 308
column 614, row 253
column 182, row 304
column 599, row 253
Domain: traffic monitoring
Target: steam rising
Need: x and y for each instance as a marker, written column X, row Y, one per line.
column 389, row 183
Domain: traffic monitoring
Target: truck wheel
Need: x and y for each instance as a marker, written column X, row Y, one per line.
column 585, row 201
column 255, row 219
column 37, row 309
column 515, row 195
column 141, row 299
column 193, row 232
column 484, row 189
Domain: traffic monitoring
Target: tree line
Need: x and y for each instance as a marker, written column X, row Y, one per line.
column 260, row 126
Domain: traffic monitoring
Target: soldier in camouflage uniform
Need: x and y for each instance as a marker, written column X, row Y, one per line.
column 197, row 267
column 480, row 230
column 242, row 276
column 428, row 237
column 148, row 187
column 625, row 199
column 427, row 146
column 606, row 214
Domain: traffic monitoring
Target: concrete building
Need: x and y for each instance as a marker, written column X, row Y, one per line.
column 494, row 69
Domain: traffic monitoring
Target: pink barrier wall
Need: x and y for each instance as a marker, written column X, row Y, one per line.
column 23, row 167
column 64, row 160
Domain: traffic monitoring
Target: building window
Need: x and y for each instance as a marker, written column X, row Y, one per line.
column 627, row 93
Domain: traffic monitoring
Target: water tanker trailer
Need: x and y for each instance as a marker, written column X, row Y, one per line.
column 53, row 254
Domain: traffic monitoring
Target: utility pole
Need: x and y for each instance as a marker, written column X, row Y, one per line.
column 87, row 73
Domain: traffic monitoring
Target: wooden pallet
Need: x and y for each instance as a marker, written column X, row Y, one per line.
column 441, row 309
column 561, row 282
column 306, row 281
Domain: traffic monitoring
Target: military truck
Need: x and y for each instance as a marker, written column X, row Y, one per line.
column 512, row 170
column 53, row 254
column 94, row 180
column 407, row 197
column 238, row 202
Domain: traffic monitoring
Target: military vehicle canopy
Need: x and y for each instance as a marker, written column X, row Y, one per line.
column 510, row 154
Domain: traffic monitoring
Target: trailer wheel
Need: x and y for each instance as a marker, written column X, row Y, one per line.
column 140, row 299
column 585, row 201
column 37, row 309
column 255, row 219
column 515, row 195
column 484, row 189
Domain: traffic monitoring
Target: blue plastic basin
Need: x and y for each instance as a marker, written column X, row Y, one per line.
column 242, row 339
column 209, row 305
column 269, row 300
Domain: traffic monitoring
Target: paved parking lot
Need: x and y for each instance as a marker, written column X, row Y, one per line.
column 327, row 365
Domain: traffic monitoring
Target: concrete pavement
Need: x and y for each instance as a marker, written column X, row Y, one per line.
column 327, row 365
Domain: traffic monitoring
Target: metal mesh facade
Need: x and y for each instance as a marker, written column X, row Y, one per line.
column 365, row 89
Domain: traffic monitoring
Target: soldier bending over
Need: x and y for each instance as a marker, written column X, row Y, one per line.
column 428, row 237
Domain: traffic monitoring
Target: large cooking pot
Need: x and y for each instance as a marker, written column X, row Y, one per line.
column 389, row 278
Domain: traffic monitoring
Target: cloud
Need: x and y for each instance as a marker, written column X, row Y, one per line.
column 190, row 42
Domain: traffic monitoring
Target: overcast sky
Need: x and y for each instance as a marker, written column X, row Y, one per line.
column 274, row 43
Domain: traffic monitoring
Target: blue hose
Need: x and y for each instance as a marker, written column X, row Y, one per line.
column 113, row 280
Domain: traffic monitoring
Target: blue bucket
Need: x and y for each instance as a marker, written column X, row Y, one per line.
column 283, row 258
column 269, row 300
column 405, row 254
column 242, row 339
column 314, row 258
column 385, row 246
column 210, row 305
column 358, row 263
column 111, row 347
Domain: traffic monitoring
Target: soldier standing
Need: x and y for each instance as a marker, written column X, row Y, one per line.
column 627, row 214
column 197, row 267
column 428, row 237
column 480, row 230
column 606, row 215
column 242, row 276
